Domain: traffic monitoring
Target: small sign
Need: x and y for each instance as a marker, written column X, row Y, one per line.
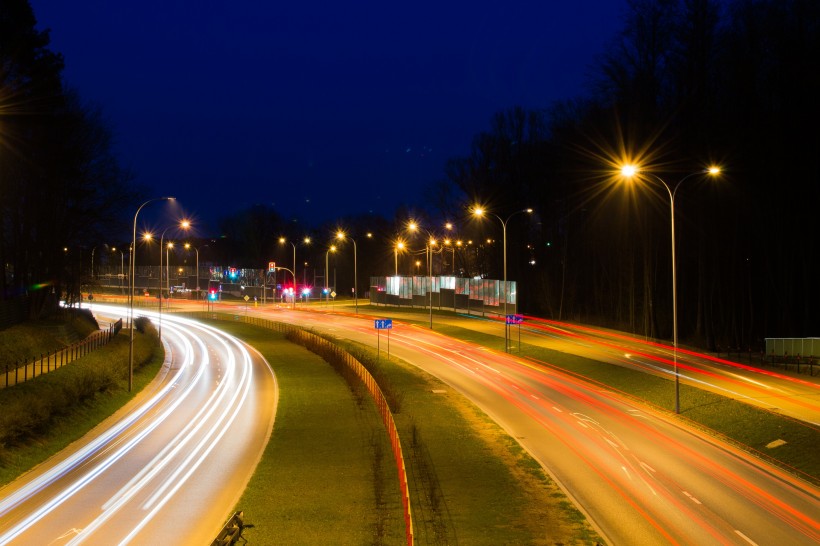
column 333, row 294
column 383, row 324
column 247, row 297
column 515, row 319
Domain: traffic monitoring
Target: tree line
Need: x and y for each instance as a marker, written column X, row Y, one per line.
column 685, row 85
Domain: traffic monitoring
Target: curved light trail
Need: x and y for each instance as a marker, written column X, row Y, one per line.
column 168, row 469
column 641, row 477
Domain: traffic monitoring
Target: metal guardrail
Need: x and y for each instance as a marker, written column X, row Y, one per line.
column 231, row 531
column 364, row 375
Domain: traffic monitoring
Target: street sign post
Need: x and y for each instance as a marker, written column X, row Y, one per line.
column 516, row 319
column 383, row 324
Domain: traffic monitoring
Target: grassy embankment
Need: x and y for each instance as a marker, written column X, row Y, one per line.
column 327, row 475
column 749, row 427
column 44, row 415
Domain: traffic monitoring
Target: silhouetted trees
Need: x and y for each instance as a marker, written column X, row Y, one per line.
column 687, row 84
column 59, row 182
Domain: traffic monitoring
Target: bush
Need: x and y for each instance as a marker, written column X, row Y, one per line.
column 30, row 408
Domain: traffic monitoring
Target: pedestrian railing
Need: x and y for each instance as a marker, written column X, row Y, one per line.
column 23, row 371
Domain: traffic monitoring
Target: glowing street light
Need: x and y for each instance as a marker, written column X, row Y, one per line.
column 187, row 247
column 630, row 172
column 431, row 242
column 282, row 241
column 122, row 267
column 398, row 247
column 479, row 211
column 131, row 283
column 327, row 277
column 341, row 236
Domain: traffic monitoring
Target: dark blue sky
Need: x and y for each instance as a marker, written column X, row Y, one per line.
column 321, row 109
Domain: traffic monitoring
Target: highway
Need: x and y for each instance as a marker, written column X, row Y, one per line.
column 642, row 478
column 788, row 393
column 169, row 467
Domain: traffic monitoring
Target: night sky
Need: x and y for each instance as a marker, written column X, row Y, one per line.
column 320, row 109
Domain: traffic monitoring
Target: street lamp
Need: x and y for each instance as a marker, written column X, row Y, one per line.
column 282, row 241
column 327, row 279
column 168, row 247
column 399, row 246
column 630, row 172
column 131, row 282
column 431, row 241
column 122, row 267
column 341, row 236
column 479, row 211
column 188, row 246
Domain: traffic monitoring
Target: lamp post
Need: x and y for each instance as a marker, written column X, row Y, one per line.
column 188, row 246
column 399, row 246
column 282, row 240
column 478, row 211
column 341, row 236
column 131, row 282
column 327, row 280
column 431, row 241
column 168, row 247
column 122, row 267
column 630, row 172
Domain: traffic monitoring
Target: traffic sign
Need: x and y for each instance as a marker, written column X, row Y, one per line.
column 333, row 294
column 246, row 298
column 515, row 319
column 383, row 324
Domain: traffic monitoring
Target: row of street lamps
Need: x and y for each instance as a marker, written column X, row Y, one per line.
column 629, row 172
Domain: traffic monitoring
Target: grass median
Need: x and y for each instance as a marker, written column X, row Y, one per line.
column 317, row 483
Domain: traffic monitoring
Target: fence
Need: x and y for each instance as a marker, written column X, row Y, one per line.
column 801, row 353
column 25, row 370
column 478, row 296
column 314, row 342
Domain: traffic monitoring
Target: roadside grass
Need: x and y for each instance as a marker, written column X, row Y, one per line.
column 748, row 427
column 327, row 474
column 31, row 338
column 470, row 482
column 46, row 414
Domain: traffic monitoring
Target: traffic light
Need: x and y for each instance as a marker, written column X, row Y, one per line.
column 232, row 272
column 212, row 294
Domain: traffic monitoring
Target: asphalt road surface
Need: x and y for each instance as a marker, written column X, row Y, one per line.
column 168, row 468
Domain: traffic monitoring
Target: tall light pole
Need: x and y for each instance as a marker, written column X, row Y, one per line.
column 431, row 241
column 399, row 246
column 131, row 283
column 327, row 279
column 479, row 211
column 188, row 246
column 122, row 266
column 630, row 172
column 341, row 236
column 282, row 240
column 168, row 247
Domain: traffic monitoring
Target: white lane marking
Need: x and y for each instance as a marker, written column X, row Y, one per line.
column 610, row 442
column 696, row 501
column 646, row 467
column 557, row 409
column 744, row 537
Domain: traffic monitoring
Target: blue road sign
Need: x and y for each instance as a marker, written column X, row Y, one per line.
column 515, row 319
column 383, row 324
